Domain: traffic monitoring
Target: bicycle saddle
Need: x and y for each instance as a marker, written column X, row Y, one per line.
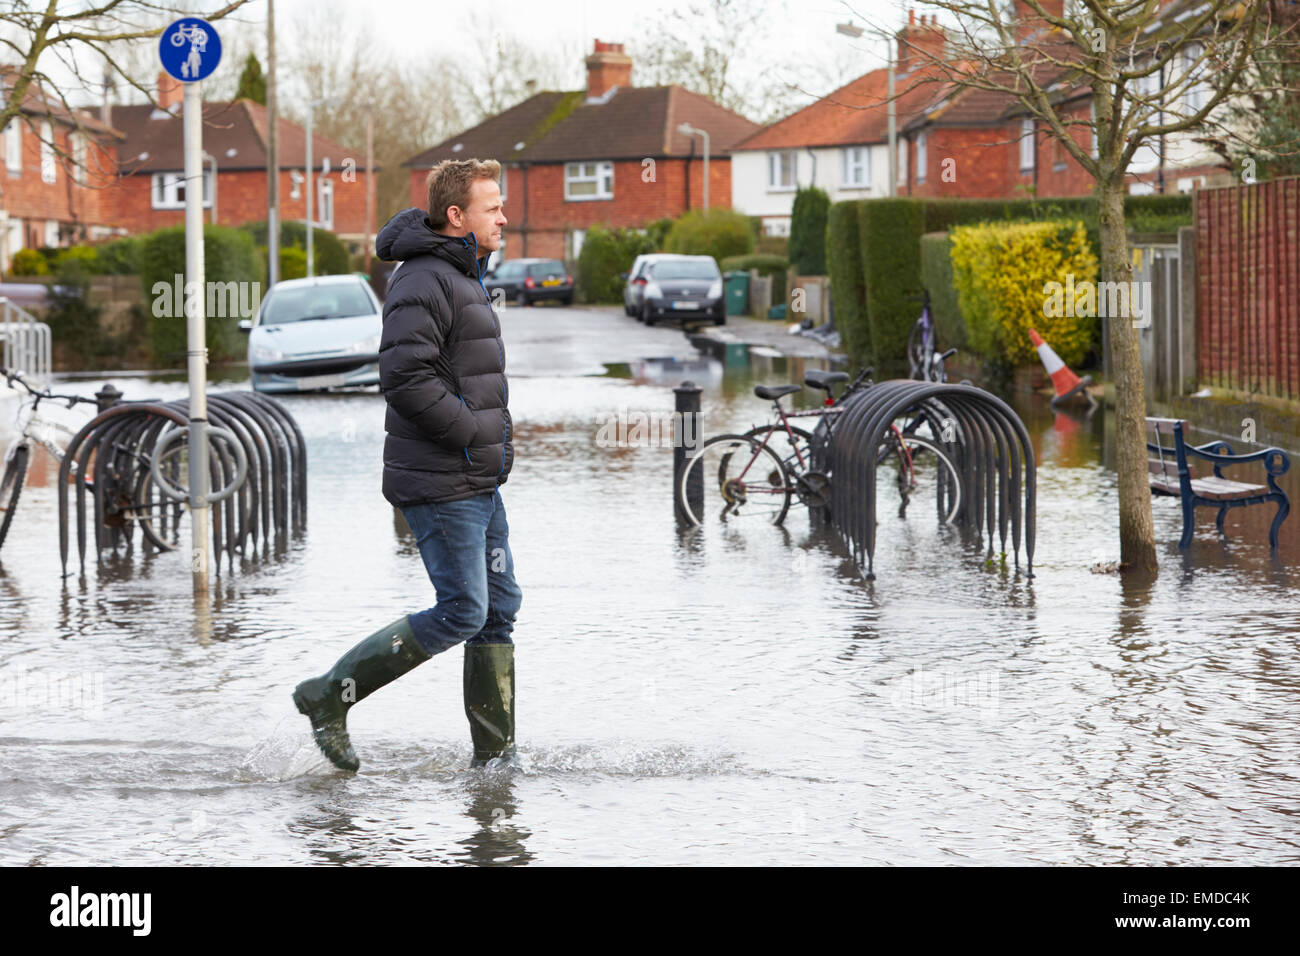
column 773, row 392
column 816, row 378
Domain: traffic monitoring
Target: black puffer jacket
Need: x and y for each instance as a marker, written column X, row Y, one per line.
column 441, row 369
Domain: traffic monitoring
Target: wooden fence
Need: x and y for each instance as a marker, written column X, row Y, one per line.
column 1248, row 289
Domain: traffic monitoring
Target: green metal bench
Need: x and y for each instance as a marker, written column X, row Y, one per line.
column 1170, row 475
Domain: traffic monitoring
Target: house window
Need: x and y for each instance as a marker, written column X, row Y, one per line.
column 781, row 169
column 1058, row 155
column 78, row 141
column 855, row 167
column 51, row 238
column 14, row 147
column 589, row 180
column 169, row 190
column 502, row 183
column 1027, row 143
column 902, row 162
column 576, row 238
column 1197, row 92
column 49, row 171
column 920, row 157
column 324, row 203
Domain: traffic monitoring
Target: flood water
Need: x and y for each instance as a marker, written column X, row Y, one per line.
column 738, row 695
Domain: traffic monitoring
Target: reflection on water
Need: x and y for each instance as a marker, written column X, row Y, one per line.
column 734, row 695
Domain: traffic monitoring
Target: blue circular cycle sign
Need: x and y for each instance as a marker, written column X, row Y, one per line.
column 189, row 49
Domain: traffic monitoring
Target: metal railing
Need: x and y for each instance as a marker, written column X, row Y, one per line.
column 26, row 343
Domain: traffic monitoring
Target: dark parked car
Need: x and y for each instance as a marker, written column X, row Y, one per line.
column 688, row 287
column 525, row 281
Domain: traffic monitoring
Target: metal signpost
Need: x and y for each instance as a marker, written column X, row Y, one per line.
column 190, row 50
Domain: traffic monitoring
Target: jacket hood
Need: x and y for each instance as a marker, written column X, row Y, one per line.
column 408, row 234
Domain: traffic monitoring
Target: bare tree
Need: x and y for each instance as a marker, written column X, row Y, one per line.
column 704, row 47
column 1105, row 80
column 66, row 48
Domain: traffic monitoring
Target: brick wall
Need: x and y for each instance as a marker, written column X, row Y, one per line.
column 1247, row 274
column 76, row 198
column 636, row 201
column 241, row 198
column 985, row 164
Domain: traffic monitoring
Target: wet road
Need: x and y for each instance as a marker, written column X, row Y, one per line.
column 731, row 696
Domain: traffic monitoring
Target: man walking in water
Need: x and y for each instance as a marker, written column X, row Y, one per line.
column 442, row 372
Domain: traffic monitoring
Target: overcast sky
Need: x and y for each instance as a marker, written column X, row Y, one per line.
column 797, row 30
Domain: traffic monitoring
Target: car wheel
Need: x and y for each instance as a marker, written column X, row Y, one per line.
column 628, row 310
column 566, row 300
column 645, row 314
column 720, row 320
column 521, row 299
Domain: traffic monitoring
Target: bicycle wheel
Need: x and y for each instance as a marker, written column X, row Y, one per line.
column 733, row 477
column 912, row 467
column 916, row 350
column 12, row 486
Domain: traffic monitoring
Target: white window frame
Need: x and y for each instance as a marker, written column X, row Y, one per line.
column 600, row 173
column 776, row 169
column 77, row 142
column 920, row 157
column 165, row 190
column 855, row 167
column 14, row 147
column 1028, row 144
column 1197, row 90
column 902, row 162
column 51, row 236
column 324, row 203
column 49, row 164
column 502, row 184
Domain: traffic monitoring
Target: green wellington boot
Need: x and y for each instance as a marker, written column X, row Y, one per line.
column 490, row 700
column 382, row 657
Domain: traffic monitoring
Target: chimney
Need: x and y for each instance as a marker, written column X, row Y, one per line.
column 169, row 92
column 918, row 42
column 106, row 105
column 1027, row 22
column 607, row 67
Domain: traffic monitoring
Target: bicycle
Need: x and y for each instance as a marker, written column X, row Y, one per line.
column 779, row 455
column 54, row 437
column 923, row 357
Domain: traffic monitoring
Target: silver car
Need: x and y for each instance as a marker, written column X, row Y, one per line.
column 634, row 290
column 312, row 334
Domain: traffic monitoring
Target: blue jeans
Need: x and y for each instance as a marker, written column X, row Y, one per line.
column 466, row 550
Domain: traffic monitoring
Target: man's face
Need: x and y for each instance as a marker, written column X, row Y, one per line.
column 485, row 216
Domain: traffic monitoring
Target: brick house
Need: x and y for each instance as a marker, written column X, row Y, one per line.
column 983, row 144
column 610, row 155
column 151, row 193
column 840, row 143
column 57, row 175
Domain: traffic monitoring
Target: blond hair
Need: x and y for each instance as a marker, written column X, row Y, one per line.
column 449, row 183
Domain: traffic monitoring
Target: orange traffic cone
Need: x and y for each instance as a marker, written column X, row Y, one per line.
column 1066, row 383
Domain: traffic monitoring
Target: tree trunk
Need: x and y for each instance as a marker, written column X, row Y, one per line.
column 1137, row 539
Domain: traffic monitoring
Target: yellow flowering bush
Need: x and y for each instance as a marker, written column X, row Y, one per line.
column 1003, row 272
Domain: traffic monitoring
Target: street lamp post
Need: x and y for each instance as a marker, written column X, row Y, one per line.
column 686, row 129
column 852, row 30
column 311, row 109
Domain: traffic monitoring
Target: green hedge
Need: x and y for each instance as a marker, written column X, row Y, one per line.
column 120, row 257
column 606, row 254
column 229, row 255
column 848, row 294
column 720, row 233
column 329, row 254
column 936, row 275
column 29, row 262
column 808, row 231
column 889, row 235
